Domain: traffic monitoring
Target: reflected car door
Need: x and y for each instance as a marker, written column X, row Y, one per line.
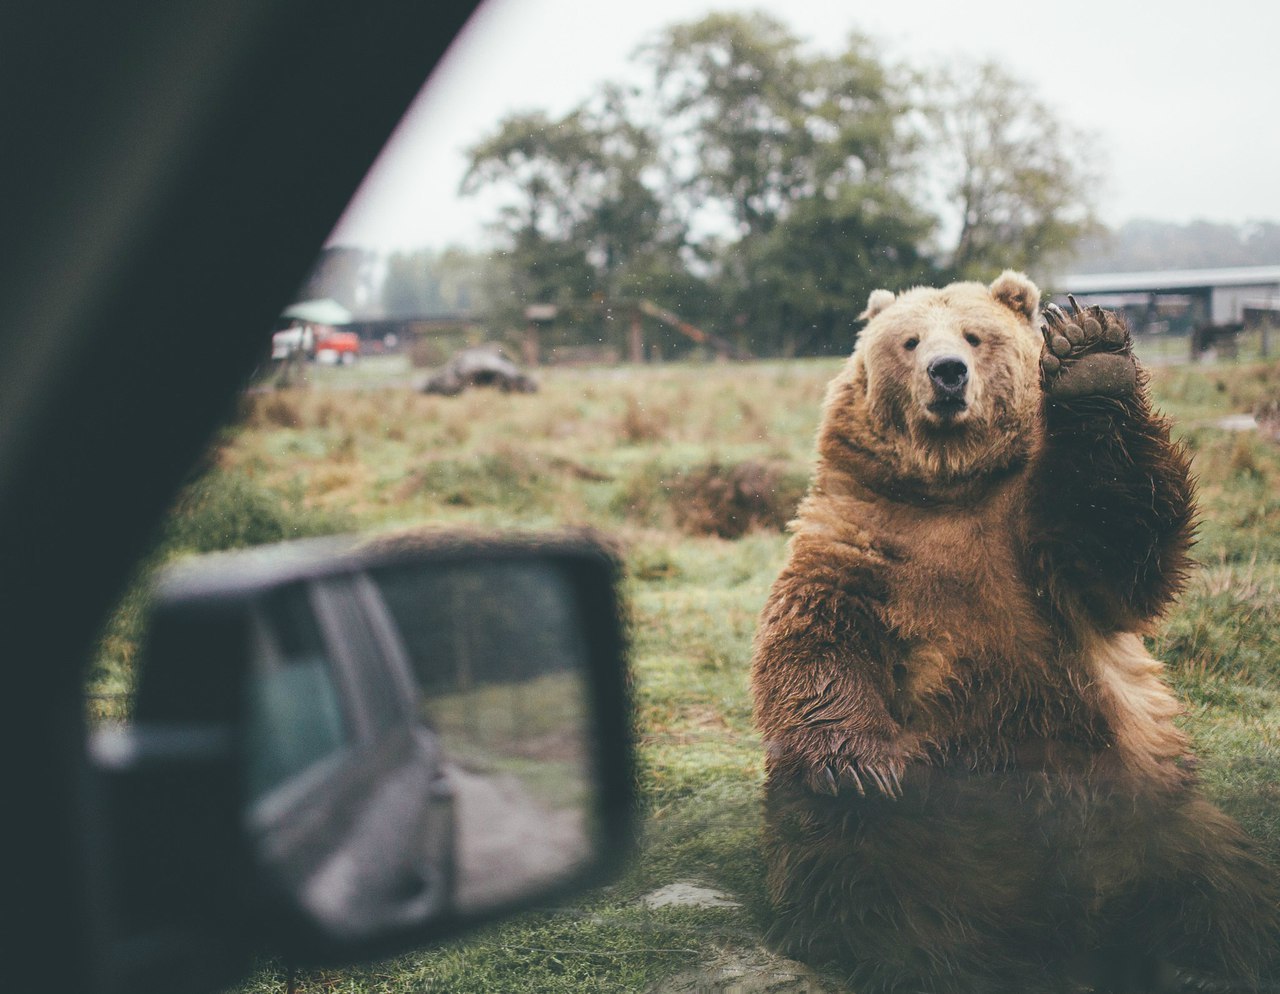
column 353, row 811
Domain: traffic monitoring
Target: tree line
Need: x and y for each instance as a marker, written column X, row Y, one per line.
column 1145, row 244
column 759, row 189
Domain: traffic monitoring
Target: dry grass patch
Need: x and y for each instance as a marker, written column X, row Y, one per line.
column 729, row 501
column 639, row 423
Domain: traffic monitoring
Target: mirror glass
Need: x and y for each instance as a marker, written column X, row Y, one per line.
column 498, row 652
column 295, row 718
column 418, row 739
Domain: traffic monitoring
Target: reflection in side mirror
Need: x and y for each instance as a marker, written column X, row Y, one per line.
column 418, row 739
column 429, row 732
column 501, row 659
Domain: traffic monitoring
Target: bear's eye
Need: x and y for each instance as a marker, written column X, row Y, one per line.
column 910, row 344
column 972, row 339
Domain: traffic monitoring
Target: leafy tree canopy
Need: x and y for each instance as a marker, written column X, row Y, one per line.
column 1017, row 181
column 767, row 188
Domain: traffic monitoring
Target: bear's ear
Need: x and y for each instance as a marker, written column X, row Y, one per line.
column 1017, row 293
column 877, row 302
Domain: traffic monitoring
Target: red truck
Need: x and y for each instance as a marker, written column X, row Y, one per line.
column 324, row 345
column 337, row 347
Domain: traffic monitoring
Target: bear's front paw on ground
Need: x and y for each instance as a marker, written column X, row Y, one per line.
column 1088, row 354
column 859, row 765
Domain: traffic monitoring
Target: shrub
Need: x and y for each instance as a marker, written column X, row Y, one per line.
column 642, row 424
column 1267, row 414
column 229, row 510
column 271, row 409
column 505, row 479
column 729, row 501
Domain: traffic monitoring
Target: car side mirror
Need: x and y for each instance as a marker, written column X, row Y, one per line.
column 344, row 749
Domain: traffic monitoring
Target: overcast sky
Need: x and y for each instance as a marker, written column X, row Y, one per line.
column 1181, row 95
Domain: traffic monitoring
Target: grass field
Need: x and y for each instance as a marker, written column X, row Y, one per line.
column 644, row 454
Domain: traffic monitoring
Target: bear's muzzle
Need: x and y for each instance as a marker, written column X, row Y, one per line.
column 949, row 375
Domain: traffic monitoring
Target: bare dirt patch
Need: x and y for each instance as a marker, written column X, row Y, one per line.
column 747, row 971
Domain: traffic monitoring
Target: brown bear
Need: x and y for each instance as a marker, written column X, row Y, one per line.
column 974, row 779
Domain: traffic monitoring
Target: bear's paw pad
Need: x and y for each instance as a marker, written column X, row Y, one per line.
column 1087, row 354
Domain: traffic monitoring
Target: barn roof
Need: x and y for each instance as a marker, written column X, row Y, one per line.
column 1168, row 279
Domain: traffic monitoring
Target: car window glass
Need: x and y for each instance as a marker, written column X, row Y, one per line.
column 294, row 716
column 379, row 696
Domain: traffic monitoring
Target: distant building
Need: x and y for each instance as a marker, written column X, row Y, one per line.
column 1210, row 305
column 1223, row 294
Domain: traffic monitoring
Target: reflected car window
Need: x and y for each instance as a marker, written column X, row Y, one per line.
column 295, row 719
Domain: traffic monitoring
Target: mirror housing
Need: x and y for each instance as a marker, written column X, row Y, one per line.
column 345, row 748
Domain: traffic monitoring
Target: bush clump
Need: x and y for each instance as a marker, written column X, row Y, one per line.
column 505, row 479
column 730, row 501
column 229, row 510
column 1267, row 414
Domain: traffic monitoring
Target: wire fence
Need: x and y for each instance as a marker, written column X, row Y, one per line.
column 1163, row 349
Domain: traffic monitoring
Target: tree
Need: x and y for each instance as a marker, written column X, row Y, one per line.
column 730, row 88
column 627, row 225
column 755, row 124
column 771, row 188
column 806, row 155
column 579, row 214
column 1018, row 183
column 813, row 273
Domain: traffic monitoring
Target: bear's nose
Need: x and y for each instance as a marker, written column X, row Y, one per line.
column 949, row 373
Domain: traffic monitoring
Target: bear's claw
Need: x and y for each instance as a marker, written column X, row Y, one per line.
column 1086, row 354
column 826, row 780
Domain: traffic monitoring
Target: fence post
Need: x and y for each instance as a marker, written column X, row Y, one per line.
column 636, row 338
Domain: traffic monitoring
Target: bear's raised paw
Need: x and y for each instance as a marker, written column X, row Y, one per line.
column 1088, row 354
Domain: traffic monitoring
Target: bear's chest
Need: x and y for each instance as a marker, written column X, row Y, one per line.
column 958, row 588
column 973, row 655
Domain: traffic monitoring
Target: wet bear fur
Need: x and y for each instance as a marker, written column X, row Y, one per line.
column 974, row 781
